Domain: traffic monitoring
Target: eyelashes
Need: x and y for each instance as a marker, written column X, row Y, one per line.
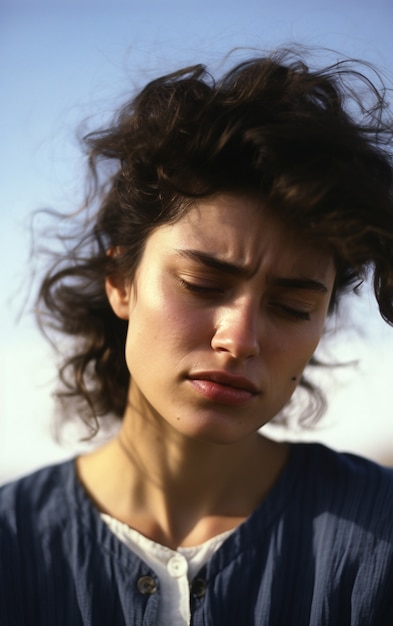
column 204, row 290
column 296, row 313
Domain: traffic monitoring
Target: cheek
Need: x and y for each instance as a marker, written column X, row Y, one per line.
column 308, row 344
column 162, row 327
column 184, row 329
column 294, row 350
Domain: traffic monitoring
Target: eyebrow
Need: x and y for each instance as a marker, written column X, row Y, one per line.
column 213, row 262
column 301, row 283
column 241, row 271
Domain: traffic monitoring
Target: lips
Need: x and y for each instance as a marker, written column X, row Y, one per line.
column 237, row 382
column 223, row 387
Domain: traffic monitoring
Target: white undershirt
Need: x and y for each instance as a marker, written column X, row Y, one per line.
column 174, row 568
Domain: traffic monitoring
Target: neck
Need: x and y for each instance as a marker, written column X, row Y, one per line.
column 177, row 490
column 187, row 469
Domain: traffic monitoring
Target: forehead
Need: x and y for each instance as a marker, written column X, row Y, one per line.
column 238, row 229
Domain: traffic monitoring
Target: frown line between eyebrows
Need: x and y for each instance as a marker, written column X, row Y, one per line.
column 213, row 262
column 209, row 260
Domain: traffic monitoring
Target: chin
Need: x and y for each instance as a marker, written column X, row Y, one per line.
column 216, row 430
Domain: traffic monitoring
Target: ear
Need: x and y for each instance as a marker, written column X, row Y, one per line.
column 119, row 293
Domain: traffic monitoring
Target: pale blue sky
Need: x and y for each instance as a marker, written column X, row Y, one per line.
column 64, row 60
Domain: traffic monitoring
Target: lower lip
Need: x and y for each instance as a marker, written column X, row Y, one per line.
column 223, row 394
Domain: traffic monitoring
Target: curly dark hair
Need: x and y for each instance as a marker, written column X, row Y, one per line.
column 314, row 145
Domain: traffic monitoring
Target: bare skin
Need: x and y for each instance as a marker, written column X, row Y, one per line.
column 220, row 330
column 198, row 495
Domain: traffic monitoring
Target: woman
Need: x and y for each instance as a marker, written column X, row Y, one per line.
column 232, row 217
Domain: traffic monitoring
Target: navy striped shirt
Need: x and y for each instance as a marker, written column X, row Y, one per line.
column 318, row 551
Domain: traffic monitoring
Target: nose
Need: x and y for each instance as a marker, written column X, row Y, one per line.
column 237, row 331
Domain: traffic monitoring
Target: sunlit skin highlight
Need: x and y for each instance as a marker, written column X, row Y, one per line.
column 225, row 311
column 224, row 290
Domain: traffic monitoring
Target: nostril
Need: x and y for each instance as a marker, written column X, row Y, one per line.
column 239, row 345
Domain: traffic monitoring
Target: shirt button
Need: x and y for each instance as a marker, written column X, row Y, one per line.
column 177, row 566
column 146, row 585
column 198, row 587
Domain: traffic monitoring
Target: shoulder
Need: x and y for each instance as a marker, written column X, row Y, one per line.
column 342, row 469
column 346, row 487
column 34, row 537
column 36, row 500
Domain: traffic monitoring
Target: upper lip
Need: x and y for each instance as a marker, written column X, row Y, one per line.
column 238, row 382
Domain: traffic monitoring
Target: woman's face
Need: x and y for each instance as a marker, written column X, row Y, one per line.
column 225, row 311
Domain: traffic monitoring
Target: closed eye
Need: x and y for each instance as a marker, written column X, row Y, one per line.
column 296, row 314
column 200, row 288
